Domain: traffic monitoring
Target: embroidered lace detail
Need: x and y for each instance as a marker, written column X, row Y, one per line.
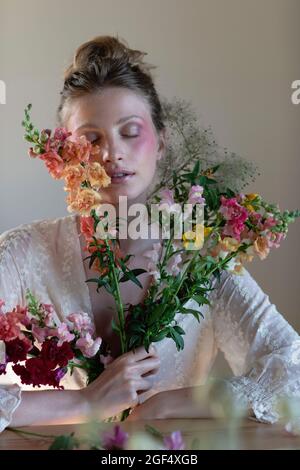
column 10, row 398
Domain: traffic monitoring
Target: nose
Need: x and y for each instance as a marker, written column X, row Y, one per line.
column 110, row 152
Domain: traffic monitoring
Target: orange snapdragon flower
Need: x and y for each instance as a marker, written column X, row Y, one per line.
column 83, row 201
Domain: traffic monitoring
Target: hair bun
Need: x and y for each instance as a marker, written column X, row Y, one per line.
column 106, row 48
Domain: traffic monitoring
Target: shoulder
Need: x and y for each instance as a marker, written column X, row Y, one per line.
column 22, row 237
column 242, row 286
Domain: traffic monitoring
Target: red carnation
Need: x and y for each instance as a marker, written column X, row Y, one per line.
column 36, row 373
column 17, row 349
column 54, row 355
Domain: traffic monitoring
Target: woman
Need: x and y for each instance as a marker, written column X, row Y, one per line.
column 109, row 97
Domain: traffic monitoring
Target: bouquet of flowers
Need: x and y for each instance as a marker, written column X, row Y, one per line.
column 223, row 228
column 49, row 350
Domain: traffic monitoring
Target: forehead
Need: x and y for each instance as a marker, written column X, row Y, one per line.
column 106, row 108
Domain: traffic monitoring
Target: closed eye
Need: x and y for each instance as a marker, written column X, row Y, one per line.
column 130, row 136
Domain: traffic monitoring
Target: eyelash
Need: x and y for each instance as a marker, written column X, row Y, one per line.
column 126, row 136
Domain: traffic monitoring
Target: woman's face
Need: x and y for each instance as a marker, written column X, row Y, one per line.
column 120, row 122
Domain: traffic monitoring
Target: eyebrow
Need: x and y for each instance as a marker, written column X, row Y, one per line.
column 123, row 119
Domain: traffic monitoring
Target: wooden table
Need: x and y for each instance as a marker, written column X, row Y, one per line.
column 210, row 434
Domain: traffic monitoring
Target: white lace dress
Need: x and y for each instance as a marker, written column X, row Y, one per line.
column 260, row 346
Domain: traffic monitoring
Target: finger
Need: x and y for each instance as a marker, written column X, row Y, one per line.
column 143, row 385
column 147, row 365
column 140, row 353
column 151, row 373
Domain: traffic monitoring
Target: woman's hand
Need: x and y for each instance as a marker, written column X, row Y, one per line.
column 189, row 402
column 117, row 388
column 156, row 407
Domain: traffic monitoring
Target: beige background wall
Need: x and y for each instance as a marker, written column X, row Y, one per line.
column 234, row 59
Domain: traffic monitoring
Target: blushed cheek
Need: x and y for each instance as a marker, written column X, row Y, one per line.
column 144, row 147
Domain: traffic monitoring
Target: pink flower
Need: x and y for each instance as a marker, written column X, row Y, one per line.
column 49, row 320
column 154, row 256
column 41, row 334
column 88, row 346
column 275, row 238
column 235, row 215
column 61, row 134
column 106, row 360
column 195, row 195
column 166, row 196
column 115, row 440
column 81, row 322
column 54, row 163
column 64, row 334
column 173, row 267
column 270, row 222
column 10, row 326
column 174, row 441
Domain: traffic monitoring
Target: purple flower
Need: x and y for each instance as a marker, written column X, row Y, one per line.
column 174, row 441
column 60, row 373
column 195, row 195
column 115, row 440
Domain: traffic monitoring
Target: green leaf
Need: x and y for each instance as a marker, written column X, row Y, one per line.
column 160, row 336
column 179, row 330
column 131, row 276
column 115, row 327
column 153, row 431
column 177, row 338
column 65, row 442
column 194, row 312
column 200, row 299
column 133, row 342
column 93, row 279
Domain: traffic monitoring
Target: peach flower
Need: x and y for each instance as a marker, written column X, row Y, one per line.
column 97, row 176
column 73, row 176
column 54, row 164
column 83, row 201
column 79, row 150
column 261, row 247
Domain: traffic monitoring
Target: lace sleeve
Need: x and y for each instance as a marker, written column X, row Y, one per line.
column 11, row 293
column 262, row 349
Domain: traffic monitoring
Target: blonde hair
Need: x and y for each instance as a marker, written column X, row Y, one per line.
column 107, row 61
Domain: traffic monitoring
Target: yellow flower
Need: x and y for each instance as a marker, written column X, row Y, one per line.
column 194, row 240
column 245, row 257
column 229, row 244
column 250, row 208
column 207, row 231
column 251, row 196
column 248, row 198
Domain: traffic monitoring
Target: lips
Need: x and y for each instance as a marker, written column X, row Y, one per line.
column 120, row 175
column 119, row 172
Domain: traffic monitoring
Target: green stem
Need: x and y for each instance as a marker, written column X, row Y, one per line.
column 118, row 300
column 35, row 434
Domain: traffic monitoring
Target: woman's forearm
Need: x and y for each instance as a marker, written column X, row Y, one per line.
column 50, row 407
column 189, row 402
